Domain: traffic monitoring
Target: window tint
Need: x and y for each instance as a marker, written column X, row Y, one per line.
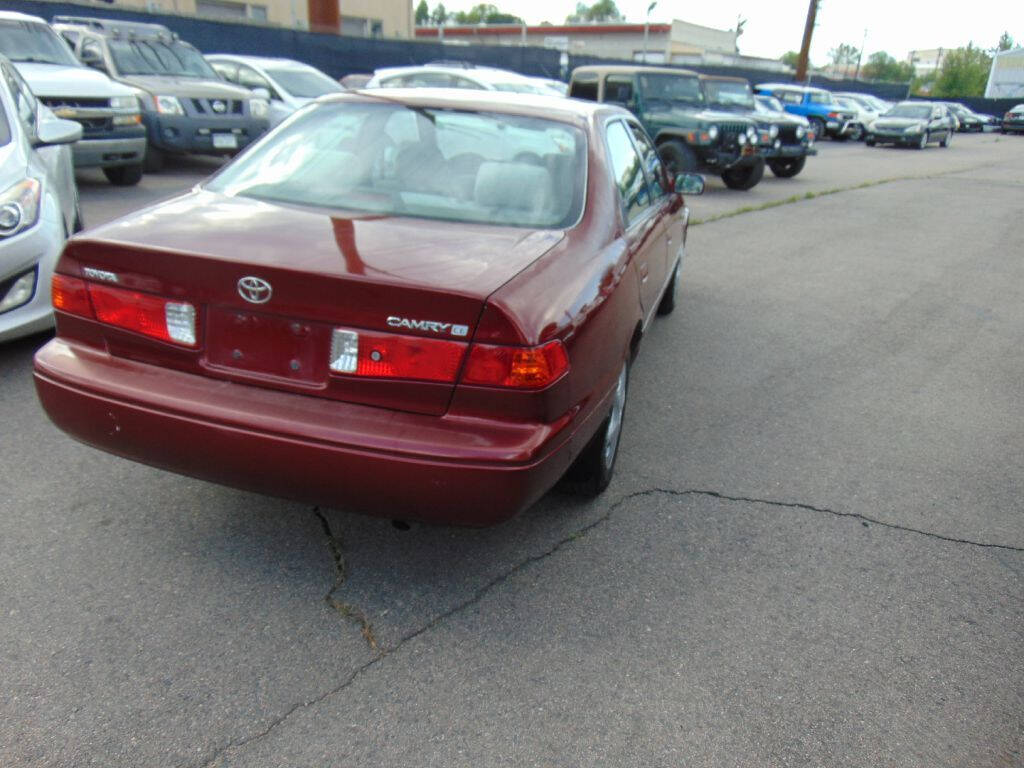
column 618, row 89
column 791, row 97
column 250, row 78
column 652, row 163
column 629, row 174
column 584, row 87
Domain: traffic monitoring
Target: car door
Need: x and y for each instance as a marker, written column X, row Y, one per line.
column 643, row 226
column 668, row 228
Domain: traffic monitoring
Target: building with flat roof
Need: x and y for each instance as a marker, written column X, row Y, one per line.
column 1006, row 78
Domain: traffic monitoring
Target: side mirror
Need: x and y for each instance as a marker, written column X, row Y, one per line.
column 689, row 184
column 55, row 130
column 261, row 93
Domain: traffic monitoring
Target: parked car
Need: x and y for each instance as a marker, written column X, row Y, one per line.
column 288, row 84
column 38, row 203
column 355, row 81
column 867, row 107
column 913, row 124
column 864, row 116
column 113, row 137
column 818, row 106
column 457, row 75
column 393, row 304
column 783, row 139
column 967, row 121
column 186, row 108
column 1013, row 120
column 670, row 104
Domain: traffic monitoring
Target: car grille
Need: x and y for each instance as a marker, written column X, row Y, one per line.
column 96, row 118
column 787, row 134
column 205, row 106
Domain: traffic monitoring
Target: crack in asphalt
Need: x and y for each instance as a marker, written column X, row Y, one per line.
column 348, row 611
column 381, row 652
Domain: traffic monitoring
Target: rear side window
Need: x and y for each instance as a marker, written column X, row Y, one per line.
column 652, row 163
column 629, row 172
column 790, row 97
column 584, row 87
column 618, row 89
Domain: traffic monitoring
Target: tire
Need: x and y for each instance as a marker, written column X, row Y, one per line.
column 788, row 167
column 869, row 142
column 922, row 142
column 124, row 175
column 947, row 140
column 746, row 177
column 592, row 471
column 857, row 134
column 668, row 299
column 819, row 127
column 153, row 161
column 677, row 157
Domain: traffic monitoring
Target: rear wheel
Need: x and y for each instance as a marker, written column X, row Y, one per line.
column 819, row 127
column 923, row 141
column 592, row 471
column 677, row 157
column 668, row 299
column 789, row 167
column 745, row 177
column 856, row 134
column 869, row 142
column 947, row 140
column 124, row 175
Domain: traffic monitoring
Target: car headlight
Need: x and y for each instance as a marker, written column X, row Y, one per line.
column 913, row 128
column 741, row 139
column 169, row 105
column 800, row 132
column 124, row 102
column 752, row 133
column 259, row 107
column 773, row 131
column 19, row 207
column 713, row 132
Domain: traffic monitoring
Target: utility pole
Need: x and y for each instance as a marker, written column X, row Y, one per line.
column 860, row 55
column 805, row 48
column 647, row 24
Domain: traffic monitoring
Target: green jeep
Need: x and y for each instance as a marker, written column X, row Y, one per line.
column 670, row 104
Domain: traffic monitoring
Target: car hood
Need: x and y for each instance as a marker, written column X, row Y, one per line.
column 684, row 114
column 474, row 259
column 57, row 80
column 899, row 122
column 189, row 87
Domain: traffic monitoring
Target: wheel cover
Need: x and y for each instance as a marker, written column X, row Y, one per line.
column 614, row 430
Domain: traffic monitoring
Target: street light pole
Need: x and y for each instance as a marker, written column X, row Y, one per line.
column 647, row 24
column 860, row 55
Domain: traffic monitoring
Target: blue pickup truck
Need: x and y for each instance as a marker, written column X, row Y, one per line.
column 826, row 116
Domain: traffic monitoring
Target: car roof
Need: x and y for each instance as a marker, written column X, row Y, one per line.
column 259, row 61
column 627, row 69
column 483, row 74
column 15, row 16
column 556, row 108
column 730, row 78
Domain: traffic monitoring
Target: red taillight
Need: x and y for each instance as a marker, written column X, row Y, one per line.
column 71, row 295
column 517, row 367
column 153, row 316
column 833, row 115
column 394, row 356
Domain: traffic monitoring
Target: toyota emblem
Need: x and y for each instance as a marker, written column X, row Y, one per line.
column 255, row 290
column 218, row 105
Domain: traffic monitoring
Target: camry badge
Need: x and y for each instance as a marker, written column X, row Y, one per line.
column 255, row 290
column 218, row 106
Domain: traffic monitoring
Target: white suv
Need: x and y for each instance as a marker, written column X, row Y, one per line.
column 113, row 137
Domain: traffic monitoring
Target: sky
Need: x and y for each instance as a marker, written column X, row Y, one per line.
column 776, row 26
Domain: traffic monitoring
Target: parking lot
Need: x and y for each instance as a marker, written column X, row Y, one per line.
column 812, row 552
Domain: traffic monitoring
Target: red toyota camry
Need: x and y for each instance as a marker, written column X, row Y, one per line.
column 415, row 304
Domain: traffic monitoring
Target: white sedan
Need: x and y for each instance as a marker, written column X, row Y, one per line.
column 38, row 203
column 287, row 83
column 461, row 76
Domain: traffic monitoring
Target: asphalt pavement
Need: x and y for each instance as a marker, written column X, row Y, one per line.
column 812, row 553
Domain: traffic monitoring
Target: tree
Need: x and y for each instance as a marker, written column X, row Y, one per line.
column 881, row 66
column 485, row 13
column 439, row 15
column 964, row 73
column 844, row 56
column 790, row 58
column 1005, row 42
column 601, row 10
column 422, row 14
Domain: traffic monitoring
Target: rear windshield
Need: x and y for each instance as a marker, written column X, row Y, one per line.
column 729, row 93
column 915, row 111
column 28, row 41
column 304, row 83
column 420, row 162
column 153, row 57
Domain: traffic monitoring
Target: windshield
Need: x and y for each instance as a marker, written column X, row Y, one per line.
column 428, row 163
column 304, row 83
column 729, row 93
column 916, row 111
column 768, row 104
column 668, row 88
column 26, row 41
column 154, row 57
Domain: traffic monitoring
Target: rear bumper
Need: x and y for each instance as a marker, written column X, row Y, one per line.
column 372, row 460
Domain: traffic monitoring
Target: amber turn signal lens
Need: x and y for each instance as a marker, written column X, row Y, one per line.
column 516, row 367
column 70, row 295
